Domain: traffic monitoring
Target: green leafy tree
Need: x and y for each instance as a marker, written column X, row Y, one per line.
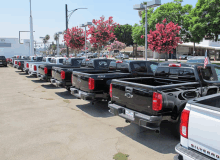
column 123, row 34
column 205, row 19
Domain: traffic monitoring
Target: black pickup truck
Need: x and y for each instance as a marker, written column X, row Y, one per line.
column 3, row 61
column 148, row 101
column 62, row 76
column 94, row 85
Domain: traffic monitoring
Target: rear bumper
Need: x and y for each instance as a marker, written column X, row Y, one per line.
column 187, row 154
column 26, row 70
column 82, row 95
column 149, row 122
column 42, row 77
column 57, row 83
column 32, row 73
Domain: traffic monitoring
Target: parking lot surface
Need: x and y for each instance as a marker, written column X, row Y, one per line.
column 39, row 121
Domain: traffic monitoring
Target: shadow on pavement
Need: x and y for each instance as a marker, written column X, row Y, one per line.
column 31, row 77
column 65, row 95
column 38, row 81
column 99, row 109
column 49, row 86
column 18, row 71
column 163, row 142
column 22, row 73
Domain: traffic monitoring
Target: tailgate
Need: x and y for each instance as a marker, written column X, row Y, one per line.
column 41, row 70
column 80, row 81
column 204, row 124
column 132, row 96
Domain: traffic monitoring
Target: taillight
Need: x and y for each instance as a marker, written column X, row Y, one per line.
column 16, row 62
column 62, row 75
column 91, row 83
column 11, row 60
column 45, row 70
column 87, row 59
column 157, row 101
column 184, row 123
column 19, row 63
column 174, row 65
column 119, row 61
column 27, row 65
column 17, row 56
column 35, row 68
column 110, row 90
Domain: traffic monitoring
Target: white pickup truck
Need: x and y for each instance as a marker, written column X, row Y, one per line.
column 200, row 130
column 33, row 66
column 32, row 59
column 17, row 58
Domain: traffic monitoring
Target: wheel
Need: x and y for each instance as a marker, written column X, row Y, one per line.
column 176, row 131
column 68, row 89
column 6, row 65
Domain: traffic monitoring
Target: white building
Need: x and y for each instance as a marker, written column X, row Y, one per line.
column 212, row 47
column 11, row 46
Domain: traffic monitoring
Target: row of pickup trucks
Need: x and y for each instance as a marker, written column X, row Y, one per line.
column 145, row 93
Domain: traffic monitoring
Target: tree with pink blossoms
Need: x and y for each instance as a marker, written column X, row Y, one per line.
column 75, row 38
column 101, row 32
column 116, row 45
column 165, row 38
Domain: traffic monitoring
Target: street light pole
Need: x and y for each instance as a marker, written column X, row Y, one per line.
column 67, row 50
column 146, row 33
column 31, row 34
column 153, row 3
column 67, row 20
column 85, row 25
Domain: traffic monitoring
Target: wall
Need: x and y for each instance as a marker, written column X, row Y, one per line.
column 10, row 47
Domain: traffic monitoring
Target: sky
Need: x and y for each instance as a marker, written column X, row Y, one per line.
column 49, row 15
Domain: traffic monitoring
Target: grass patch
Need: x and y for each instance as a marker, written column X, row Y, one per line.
column 120, row 156
column 43, row 91
column 67, row 101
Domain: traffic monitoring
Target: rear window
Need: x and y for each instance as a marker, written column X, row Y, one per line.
column 2, row 57
column 53, row 61
column 39, row 58
column 153, row 67
column 76, row 62
column 162, row 71
column 60, row 60
column 101, row 64
column 140, row 67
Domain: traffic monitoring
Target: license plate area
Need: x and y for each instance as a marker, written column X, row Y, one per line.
column 129, row 113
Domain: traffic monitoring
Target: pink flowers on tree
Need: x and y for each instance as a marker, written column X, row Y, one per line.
column 142, row 36
column 116, row 45
column 101, row 32
column 165, row 38
column 75, row 38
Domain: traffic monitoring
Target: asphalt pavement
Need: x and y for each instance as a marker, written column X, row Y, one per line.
column 41, row 122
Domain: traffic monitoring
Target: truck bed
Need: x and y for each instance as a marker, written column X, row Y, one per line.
column 204, row 123
column 137, row 93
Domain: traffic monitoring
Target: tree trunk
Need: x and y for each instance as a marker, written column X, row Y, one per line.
column 166, row 57
column 158, row 58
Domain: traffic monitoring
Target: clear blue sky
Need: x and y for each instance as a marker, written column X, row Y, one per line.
column 49, row 15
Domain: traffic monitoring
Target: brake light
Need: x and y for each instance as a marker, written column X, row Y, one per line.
column 87, row 59
column 16, row 62
column 91, row 83
column 174, row 65
column 27, row 65
column 119, row 61
column 19, row 63
column 110, row 90
column 62, row 75
column 11, row 60
column 184, row 123
column 45, row 70
column 35, row 68
column 157, row 101
column 17, row 56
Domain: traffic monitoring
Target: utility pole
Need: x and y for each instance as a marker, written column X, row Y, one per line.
column 31, row 53
column 67, row 50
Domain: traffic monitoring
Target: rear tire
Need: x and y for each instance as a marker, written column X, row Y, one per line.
column 176, row 131
column 68, row 89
